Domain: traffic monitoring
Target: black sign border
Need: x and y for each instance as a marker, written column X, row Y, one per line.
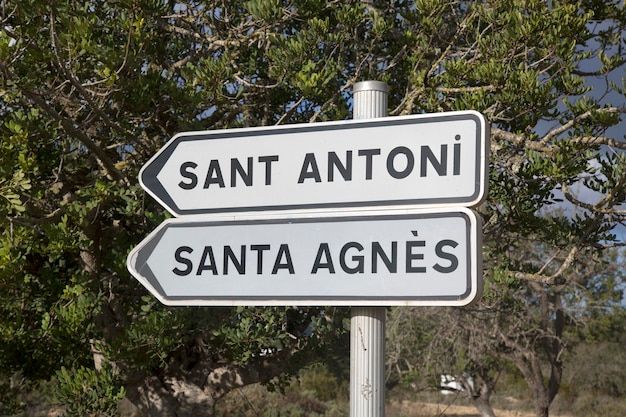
column 473, row 265
column 150, row 171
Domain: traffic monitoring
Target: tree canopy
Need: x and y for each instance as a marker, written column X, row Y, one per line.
column 90, row 90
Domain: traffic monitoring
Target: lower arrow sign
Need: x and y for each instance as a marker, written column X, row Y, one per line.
column 400, row 257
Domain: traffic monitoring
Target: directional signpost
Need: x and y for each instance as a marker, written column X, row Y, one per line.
column 430, row 160
column 362, row 213
column 405, row 257
column 347, row 213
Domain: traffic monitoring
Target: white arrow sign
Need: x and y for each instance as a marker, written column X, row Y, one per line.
column 402, row 257
column 430, row 160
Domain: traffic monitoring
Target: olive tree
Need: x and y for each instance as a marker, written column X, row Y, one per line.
column 90, row 90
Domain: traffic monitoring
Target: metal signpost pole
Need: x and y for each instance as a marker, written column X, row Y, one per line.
column 367, row 324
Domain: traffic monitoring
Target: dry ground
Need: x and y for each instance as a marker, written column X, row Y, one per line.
column 408, row 408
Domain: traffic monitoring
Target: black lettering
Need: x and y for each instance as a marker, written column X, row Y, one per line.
column 410, row 256
column 359, row 268
column 259, row 256
column 187, row 262
column 410, row 162
column 189, row 175
column 239, row 264
column 323, row 251
column 236, row 168
column 344, row 170
column 267, row 160
column 456, row 164
column 214, row 175
column 309, row 169
column 440, row 166
column 207, row 253
column 283, row 252
column 390, row 263
column 369, row 156
column 454, row 261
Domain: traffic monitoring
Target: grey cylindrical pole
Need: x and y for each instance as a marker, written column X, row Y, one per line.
column 367, row 362
column 367, row 324
column 370, row 100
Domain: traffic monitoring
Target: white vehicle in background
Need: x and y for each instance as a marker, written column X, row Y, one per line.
column 454, row 384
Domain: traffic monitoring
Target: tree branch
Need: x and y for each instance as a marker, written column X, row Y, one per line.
column 69, row 128
column 77, row 84
column 549, row 279
column 565, row 127
column 550, row 149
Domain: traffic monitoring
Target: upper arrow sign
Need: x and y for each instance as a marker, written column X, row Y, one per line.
column 430, row 160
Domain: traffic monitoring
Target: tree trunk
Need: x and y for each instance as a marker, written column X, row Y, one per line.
column 530, row 367
column 171, row 397
column 182, row 392
column 484, row 407
column 481, row 398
